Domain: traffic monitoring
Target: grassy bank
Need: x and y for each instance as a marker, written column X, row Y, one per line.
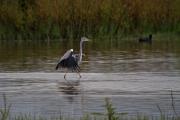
column 47, row 19
column 109, row 114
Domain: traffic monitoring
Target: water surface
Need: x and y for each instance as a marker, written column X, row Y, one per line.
column 136, row 77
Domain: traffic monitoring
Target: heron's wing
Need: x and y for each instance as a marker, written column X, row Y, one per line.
column 66, row 55
column 72, row 63
column 62, row 61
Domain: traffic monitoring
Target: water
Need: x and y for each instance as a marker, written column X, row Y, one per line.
column 136, row 77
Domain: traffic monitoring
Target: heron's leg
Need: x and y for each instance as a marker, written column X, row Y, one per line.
column 66, row 79
column 65, row 74
column 79, row 74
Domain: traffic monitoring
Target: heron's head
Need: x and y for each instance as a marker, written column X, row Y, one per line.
column 84, row 39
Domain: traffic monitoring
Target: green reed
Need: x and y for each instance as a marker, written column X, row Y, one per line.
column 5, row 111
column 109, row 114
column 54, row 19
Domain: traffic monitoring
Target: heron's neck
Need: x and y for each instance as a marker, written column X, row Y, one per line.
column 80, row 52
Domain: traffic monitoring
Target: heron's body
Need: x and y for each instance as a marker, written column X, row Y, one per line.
column 71, row 61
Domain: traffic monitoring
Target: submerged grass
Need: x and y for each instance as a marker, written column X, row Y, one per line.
column 4, row 112
column 109, row 114
column 54, row 19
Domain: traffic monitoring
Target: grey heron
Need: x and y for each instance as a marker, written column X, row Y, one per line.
column 71, row 61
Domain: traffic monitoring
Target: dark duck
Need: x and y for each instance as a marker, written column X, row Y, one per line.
column 146, row 39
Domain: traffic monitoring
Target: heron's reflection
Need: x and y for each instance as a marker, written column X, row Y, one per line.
column 69, row 88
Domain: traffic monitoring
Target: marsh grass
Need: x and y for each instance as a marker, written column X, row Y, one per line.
column 109, row 114
column 54, row 19
column 5, row 110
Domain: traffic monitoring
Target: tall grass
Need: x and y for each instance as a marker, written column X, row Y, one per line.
column 51, row 19
column 4, row 112
column 109, row 114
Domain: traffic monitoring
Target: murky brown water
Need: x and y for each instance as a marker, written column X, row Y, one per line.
column 137, row 77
